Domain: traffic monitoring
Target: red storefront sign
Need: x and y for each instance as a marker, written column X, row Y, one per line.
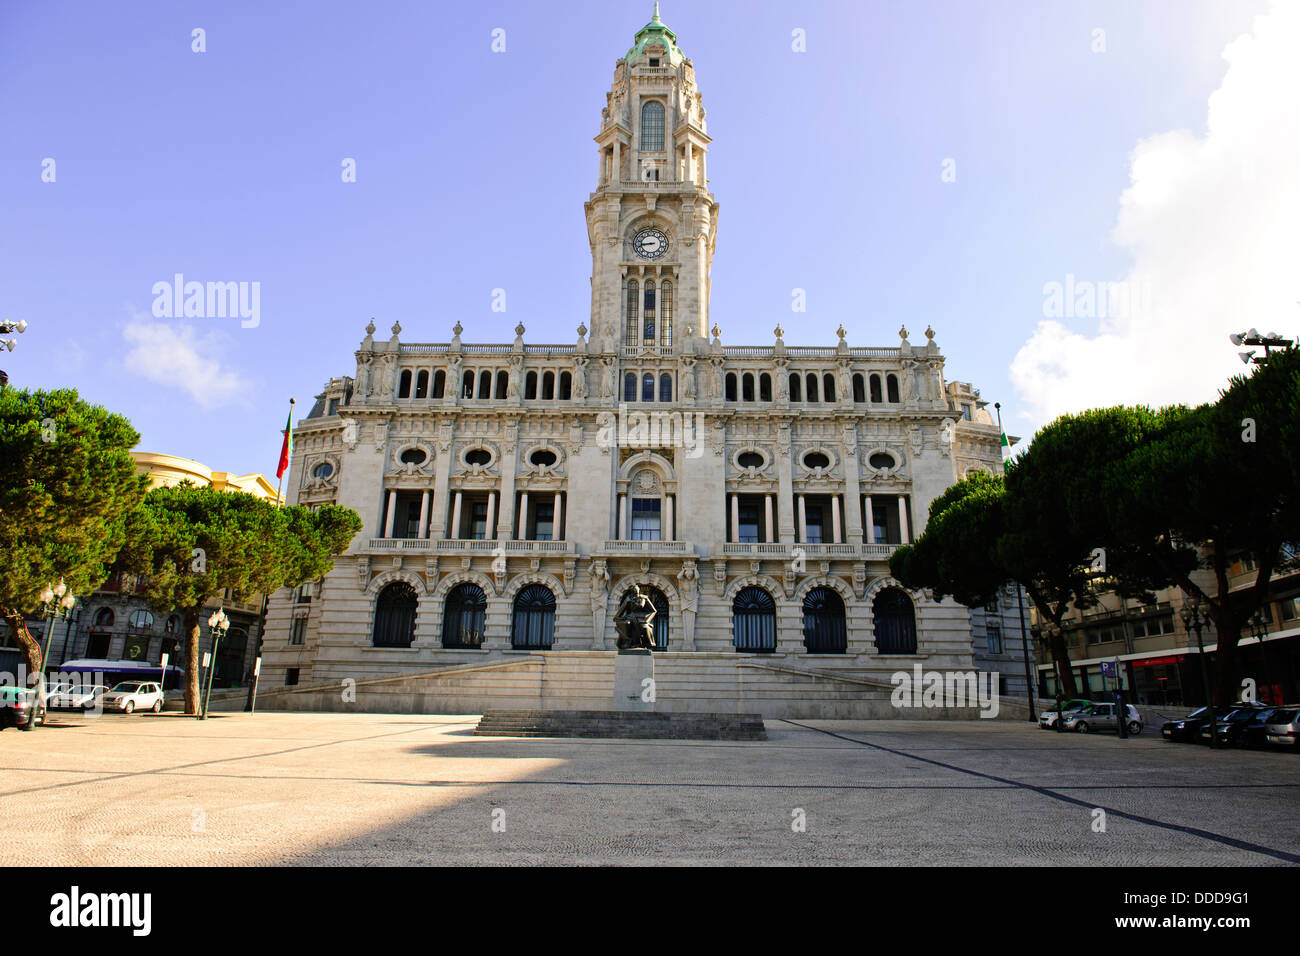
column 1153, row 661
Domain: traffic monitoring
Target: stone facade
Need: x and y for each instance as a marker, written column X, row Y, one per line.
column 754, row 488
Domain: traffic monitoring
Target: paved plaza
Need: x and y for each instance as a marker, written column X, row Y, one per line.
column 354, row 789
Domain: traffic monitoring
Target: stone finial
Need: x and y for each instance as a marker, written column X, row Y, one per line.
column 902, row 333
column 778, row 331
column 455, row 336
column 929, row 333
column 370, row 327
column 582, row 330
column 519, row 330
column 717, row 334
column 397, row 328
column 841, row 333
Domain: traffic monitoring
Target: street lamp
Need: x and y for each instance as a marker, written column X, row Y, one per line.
column 1052, row 631
column 1253, row 337
column 6, row 327
column 1194, row 620
column 56, row 603
column 218, row 624
column 1258, row 625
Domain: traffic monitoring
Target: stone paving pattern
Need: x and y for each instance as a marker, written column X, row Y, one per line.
column 357, row 789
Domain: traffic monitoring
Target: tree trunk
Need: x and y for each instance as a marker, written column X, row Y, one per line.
column 30, row 645
column 1064, row 672
column 193, row 661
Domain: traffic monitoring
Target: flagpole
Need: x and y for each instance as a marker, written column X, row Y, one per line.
column 279, row 498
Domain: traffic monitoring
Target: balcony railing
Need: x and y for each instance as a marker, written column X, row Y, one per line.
column 648, row 547
column 822, row 549
column 470, row 545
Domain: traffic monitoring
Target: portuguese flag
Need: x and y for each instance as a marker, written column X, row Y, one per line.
column 286, row 449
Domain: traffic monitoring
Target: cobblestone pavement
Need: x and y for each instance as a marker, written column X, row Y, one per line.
column 356, row 789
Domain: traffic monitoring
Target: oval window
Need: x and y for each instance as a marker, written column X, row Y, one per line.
column 478, row 456
column 543, row 457
column 881, row 460
column 815, row 459
column 750, row 459
column 323, row 470
column 413, row 456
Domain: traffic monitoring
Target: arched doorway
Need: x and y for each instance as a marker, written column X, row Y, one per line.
column 532, row 625
column 395, row 610
column 753, row 620
column 895, row 620
column 824, row 630
column 463, row 615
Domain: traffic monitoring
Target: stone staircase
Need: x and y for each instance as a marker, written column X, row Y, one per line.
column 624, row 724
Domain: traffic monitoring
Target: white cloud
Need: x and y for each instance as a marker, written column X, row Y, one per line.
column 1213, row 224
column 176, row 356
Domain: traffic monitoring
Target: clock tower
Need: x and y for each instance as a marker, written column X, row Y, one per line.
column 651, row 221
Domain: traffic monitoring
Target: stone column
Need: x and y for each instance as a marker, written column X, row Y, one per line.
column 558, row 519
column 735, row 519
column 490, row 531
column 771, row 527
column 392, row 514
column 622, row 517
column 424, row 514
column 523, row 517
column 835, row 519
column 454, row 530
column 871, row 523
column 668, row 518
column 803, row 522
column 903, row 536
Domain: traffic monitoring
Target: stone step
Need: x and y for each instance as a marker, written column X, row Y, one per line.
column 619, row 724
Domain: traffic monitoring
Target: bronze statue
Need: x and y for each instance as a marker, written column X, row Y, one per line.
column 634, row 621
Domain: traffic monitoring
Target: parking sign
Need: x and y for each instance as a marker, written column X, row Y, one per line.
column 1109, row 669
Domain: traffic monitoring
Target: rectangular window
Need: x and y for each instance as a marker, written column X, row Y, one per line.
column 334, row 407
column 298, row 630
column 748, row 523
column 291, row 677
column 995, row 638
column 478, row 520
column 1290, row 608
column 545, row 523
column 645, row 519
column 813, row 520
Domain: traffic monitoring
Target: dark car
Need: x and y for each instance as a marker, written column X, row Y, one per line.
column 1255, row 733
column 1189, row 727
column 1230, row 730
column 20, row 708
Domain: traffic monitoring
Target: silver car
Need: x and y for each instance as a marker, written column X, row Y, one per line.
column 1283, row 727
column 1102, row 717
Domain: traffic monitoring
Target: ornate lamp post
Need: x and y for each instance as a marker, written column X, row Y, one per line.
column 218, row 624
column 1050, row 631
column 6, row 327
column 1258, row 625
column 1194, row 620
column 56, row 603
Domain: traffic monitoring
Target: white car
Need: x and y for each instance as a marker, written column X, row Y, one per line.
column 75, row 696
column 133, row 695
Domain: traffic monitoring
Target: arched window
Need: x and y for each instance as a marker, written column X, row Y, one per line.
column 824, row 630
column 503, row 384
column 665, row 387
column 548, row 386
column 404, row 384
column 439, row 383
column 647, row 387
column 629, row 387
column 747, row 387
column 533, row 621
column 485, row 384
column 422, row 384
column 173, row 625
column 828, row 387
column 812, row 387
column 764, row 387
column 731, row 386
column 530, row 386
column 462, row 616
column 632, row 322
column 666, row 314
column 895, row 622
column 753, row 617
column 796, row 389
column 662, row 613
column 566, row 386
column 104, row 618
column 652, row 126
column 140, row 620
column 859, row 392
column 648, row 313
column 467, row 385
column 875, row 389
column 395, row 615
column 891, row 387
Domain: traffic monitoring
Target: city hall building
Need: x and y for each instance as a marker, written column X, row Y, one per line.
column 513, row 492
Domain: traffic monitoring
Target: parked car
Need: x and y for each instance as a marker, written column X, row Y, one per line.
column 76, row 696
column 20, row 708
column 1189, row 727
column 1255, row 733
column 1103, row 717
column 1230, row 730
column 1283, row 728
column 1047, row 719
column 133, row 695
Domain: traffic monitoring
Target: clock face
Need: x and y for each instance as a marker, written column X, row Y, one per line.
column 650, row 244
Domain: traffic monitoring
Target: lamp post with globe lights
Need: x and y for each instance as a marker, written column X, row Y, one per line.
column 1253, row 337
column 7, row 327
column 218, row 624
column 1194, row 620
column 56, row 603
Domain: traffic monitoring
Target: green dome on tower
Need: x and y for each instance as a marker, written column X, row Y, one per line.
column 655, row 39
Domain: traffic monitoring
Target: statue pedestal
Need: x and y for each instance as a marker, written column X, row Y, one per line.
column 632, row 668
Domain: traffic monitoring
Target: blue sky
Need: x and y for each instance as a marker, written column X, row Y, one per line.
column 472, row 168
